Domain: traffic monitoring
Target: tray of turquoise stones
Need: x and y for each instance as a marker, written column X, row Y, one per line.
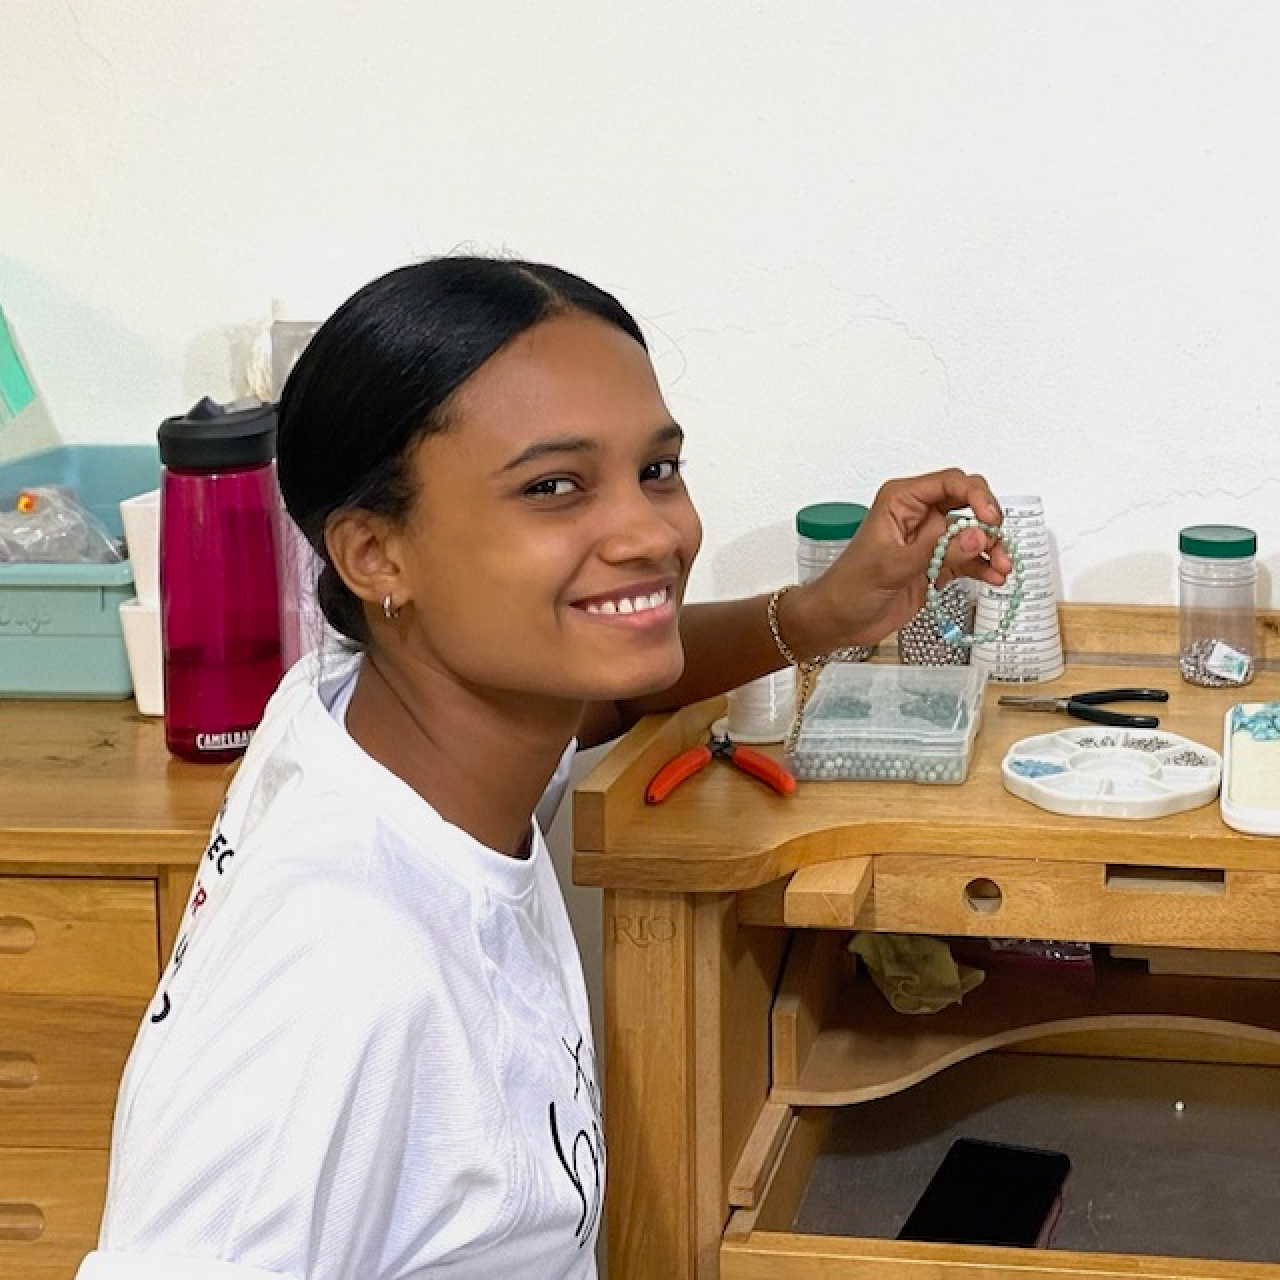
column 889, row 722
column 1251, row 768
column 1102, row 772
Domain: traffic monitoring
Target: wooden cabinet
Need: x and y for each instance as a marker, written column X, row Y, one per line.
column 50, row 1204
column 76, row 935
column 736, row 1028
column 100, row 832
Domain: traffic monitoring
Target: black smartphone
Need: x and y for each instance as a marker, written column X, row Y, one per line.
column 991, row 1193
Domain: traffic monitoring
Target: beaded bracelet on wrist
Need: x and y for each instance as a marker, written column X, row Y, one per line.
column 949, row 630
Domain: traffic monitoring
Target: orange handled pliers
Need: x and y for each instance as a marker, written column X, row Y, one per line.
column 718, row 744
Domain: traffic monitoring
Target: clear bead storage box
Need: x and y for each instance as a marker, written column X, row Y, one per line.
column 889, row 723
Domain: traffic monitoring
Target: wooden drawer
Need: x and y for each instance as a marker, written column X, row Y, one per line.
column 50, row 1208
column 79, row 937
column 60, row 1065
column 868, row 1178
column 1093, row 902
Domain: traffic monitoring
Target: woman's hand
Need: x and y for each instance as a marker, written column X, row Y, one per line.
column 878, row 583
column 876, row 586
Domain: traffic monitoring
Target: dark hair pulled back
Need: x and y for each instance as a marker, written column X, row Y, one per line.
column 379, row 374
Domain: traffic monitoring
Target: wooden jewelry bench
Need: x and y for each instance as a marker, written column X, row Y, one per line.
column 736, row 1033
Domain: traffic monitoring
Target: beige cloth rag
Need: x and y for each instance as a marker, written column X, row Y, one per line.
column 914, row 973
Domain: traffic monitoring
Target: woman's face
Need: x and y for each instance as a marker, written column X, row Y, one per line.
column 552, row 535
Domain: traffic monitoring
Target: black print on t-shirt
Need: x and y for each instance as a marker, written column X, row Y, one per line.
column 582, row 1156
column 219, row 852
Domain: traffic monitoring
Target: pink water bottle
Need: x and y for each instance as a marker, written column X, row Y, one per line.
column 219, row 596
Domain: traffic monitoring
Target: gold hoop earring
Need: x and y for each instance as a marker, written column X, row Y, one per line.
column 390, row 611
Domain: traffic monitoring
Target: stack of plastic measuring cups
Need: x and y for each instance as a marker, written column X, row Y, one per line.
column 1031, row 650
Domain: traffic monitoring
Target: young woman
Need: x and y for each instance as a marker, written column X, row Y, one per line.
column 369, row 1057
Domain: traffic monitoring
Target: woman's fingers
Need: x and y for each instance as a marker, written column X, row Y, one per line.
column 918, row 505
column 975, row 554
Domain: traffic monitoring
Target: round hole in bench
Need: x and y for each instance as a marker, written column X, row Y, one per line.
column 983, row 895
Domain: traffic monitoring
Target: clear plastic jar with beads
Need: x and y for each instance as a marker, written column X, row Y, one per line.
column 919, row 643
column 823, row 530
column 1217, row 586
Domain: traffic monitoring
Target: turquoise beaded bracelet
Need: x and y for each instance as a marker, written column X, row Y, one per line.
column 950, row 631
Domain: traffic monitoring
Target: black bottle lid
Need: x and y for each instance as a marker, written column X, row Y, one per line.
column 214, row 437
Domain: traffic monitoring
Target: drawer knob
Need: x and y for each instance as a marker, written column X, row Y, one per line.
column 18, row 1070
column 16, row 935
column 983, row 896
column 21, row 1222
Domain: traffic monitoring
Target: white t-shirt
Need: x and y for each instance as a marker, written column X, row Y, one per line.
column 369, row 1057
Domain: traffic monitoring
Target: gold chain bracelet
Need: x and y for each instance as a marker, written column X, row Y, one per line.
column 808, row 671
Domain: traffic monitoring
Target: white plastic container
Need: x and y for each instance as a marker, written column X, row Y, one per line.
column 1217, row 586
column 1250, row 799
column 140, row 517
column 140, row 623
column 762, row 710
column 920, row 644
column 823, row 530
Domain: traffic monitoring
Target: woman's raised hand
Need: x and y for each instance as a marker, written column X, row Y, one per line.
column 878, row 583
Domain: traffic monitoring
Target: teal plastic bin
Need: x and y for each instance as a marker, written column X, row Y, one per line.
column 60, row 633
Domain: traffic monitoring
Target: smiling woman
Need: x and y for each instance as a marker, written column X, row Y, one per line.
column 370, row 1052
column 546, row 519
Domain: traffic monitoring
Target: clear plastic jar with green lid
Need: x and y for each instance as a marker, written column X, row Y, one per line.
column 823, row 530
column 1217, row 587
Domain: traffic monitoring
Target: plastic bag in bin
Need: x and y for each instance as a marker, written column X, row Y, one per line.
column 47, row 525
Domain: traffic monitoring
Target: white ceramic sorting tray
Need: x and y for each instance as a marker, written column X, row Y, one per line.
column 1101, row 772
column 1250, row 799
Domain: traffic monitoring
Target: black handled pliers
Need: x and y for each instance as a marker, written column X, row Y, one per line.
column 1085, row 706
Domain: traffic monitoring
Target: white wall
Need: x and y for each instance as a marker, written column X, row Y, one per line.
column 1039, row 240
column 868, row 238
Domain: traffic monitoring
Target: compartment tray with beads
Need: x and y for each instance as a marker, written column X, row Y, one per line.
column 1112, row 773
